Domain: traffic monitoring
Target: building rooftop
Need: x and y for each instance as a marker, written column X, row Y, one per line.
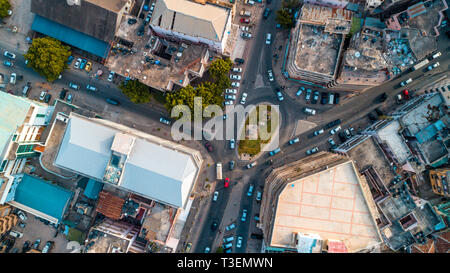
column 425, row 16
column 167, row 176
column 335, row 20
column 190, row 18
column 111, row 5
column 329, row 203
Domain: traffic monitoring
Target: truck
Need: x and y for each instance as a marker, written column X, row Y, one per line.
column 245, row 13
column 420, row 64
column 219, row 170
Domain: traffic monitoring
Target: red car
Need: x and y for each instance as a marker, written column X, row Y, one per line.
column 227, row 182
column 406, row 94
column 245, row 20
column 209, row 146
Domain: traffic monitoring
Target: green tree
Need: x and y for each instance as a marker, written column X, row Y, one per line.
column 48, row 57
column 4, row 7
column 136, row 91
column 285, row 18
column 220, row 68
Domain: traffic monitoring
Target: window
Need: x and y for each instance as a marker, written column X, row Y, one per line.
column 40, row 116
column 2, row 167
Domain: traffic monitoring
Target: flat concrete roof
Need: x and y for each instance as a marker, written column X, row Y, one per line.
column 328, row 203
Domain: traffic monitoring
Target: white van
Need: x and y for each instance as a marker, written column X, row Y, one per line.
column 438, row 54
column 331, row 98
column 16, row 234
column 12, row 79
column 309, row 111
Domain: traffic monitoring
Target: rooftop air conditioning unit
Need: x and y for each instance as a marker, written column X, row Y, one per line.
column 74, row 2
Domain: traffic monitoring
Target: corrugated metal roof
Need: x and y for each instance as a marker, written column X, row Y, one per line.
column 110, row 205
column 42, row 196
column 70, row 36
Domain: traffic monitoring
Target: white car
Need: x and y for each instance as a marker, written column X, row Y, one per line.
column 9, row 55
column 22, row 215
column 246, row 35
column 77, row 63
column 235, row 84
column 335, row 130
column 244, row 98
column 232, row 143
column 245, row 28
column 231, row 91
column 237, row 70
column 230, row 97
column 16, row 234
column 216, row 195
column 433, row 66
column 239, row 242
column 228, row 102
column 268, row 39
column 111, row 76
column 235, row 77
column 42, row 95
column 12, row 79
column 270, row 74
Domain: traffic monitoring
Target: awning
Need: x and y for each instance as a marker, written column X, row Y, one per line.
column 70, row 36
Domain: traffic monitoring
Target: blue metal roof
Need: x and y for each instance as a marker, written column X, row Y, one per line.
column 93, row 188
column 70, row 36
column 429, row 131
column 42, row 196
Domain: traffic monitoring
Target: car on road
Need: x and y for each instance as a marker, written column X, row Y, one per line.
column 308, row 94
column 318, row 132
column 207, row 250
column 438, row 54
column 9, row 55
column 243, row 98
column 237, row 69
column 268, row 38
column 381, row 98
column 188, row 247
column 274, row 152
column 293, row 141
column 300, row 91
column 74, row 86
column 214, row 225
column 279, row 95
column 235, row 84
column 245, row 21
column 239, row 60
column 403, row 83
column 315, row 98
column 8, row 63
column 267, row 12
column 48, row 246
column 230, row 97
column 112, row 101
column 111, row 76
column 258, row 196
column 88, row 67
column 77, row 63
column 227, row 247
column 309, row 111
column 250, row 190
column 342, row 137
column 91, row 88
column 69, row 98
column 232, row 143
column 42, row 95
column 246, row 35
column 228, row 239
column 244, row 215
column 372, row 117
column 230, row 227
column 36, row 244
column 256, row 236
column 332, row 143
column 231, row 165
column 208, row 146
column 226, row 182
column 433, row 66
column 251, row 165
column 164, row 120
column 239, row 242
column 336, row 98
column 216, row 195
column 270, row 75
column 335, row 130
column 332, row 124
column 231, row 91
column 47, row 98
column 62, row 94
column 312, row 151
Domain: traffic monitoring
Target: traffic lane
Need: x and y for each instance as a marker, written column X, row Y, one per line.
column 242, row 228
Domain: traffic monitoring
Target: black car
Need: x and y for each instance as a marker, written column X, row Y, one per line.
column 256, row 236
column 239, row 60
column 132, row 21
column 214, row 225
column 324, row 98
column 26, row 246
column 47, row 98
column 372, row 117
column 342, row 137
column 266, row 13
column 36, row 244
column 379, row 112
column 315, row 97
column 381, row 98
column 336, row 98
column 62, row 94
column 333, row 123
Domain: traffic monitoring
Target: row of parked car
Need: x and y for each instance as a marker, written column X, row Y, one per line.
column 325, row 97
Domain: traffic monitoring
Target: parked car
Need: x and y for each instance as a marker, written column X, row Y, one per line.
column 74, row 86
column 309, row 111
column 332, row 124
column 22, row 215
column 36, row 244
column 258, row 196
column 226, row 182
column 300, row 91
column 243, row 98
column 77, row 63
column 164, row 120
column 239, row 60
column 335, row 130
column 308, row 94
column 239, row 242
column 9, row 55
column 62, row 94
column 256, row 236
column 8, row 63
column 251, row 165
column 237, row 69
column 69, row 98
column 274, row 152
column 231, row 91
column 216, row 195
column 112, row 101
column 330, row 98
column 245, row 21
column 111, row 76
column 293, row 141
column 47, row 98
column 268, row 38
column 231, row 165
column 48, row 246
column 228, row 239
column 42, row 95
column 230, row 97
column 15, row 234
column 245, row 28
column 91, row 88
column 315, row 98
column 235, row 84
column 342, row 137
column 324, row 98
column 318, row 132
column 244, row 215
column 312, row 151
column 22, row 224
column 332, row 143
column 433, row 66
column 267, row 12
column 83, row 63
column 227, row 247
column 270, row 75
column 188, row 247
column 336, row 98
column 207, row 250
column 230, row 227
column 250, row 190
column 228, row 102
column 88, row 67
column 232, row 143
column 246, row 35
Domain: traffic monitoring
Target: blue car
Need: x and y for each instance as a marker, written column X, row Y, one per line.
column 112, row 101
column 83, row 64
column 300, row 91
column 69, row 60
column 8, row 63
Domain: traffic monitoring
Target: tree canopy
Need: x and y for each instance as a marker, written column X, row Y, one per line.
column 220, row 67
column 285, row 15
column 4, row 7
column 48, row 57
column 136, row 91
